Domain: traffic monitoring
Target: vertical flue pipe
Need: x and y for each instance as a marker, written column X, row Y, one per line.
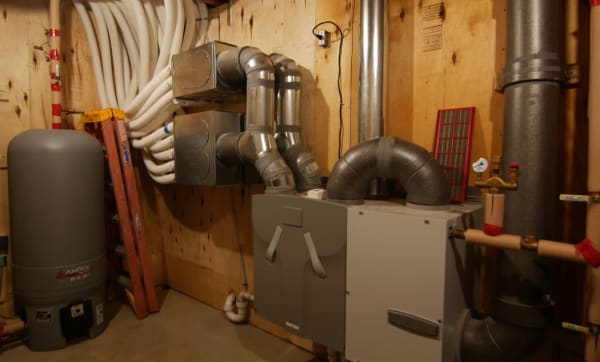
column 532, row 88
column 371, row 81
column 522, row 307
column 55, row 83
column 370, row 97
column 592, row 348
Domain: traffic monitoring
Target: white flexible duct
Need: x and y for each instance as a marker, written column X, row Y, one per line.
column 190, row 25
column 162, row 144
column 138, row 101
column 164, row 155
column 144, row 41
column 153, row 137
column 165, row 43
column 105, row 54
column 131, row 42
column 158, row 93
column 114, row 39
column 152, row 112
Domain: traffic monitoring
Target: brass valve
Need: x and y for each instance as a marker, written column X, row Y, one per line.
column 496, row 183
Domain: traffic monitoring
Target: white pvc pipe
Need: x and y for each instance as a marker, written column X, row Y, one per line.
column 239, row 314
column 158, row 169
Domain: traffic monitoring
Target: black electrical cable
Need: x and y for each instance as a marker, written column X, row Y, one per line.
column 239, row 241
column 339, row 79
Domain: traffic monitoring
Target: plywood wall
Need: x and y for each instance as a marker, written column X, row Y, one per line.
column 439, row 55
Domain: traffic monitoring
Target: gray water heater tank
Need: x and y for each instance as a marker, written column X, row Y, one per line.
column 56, row 198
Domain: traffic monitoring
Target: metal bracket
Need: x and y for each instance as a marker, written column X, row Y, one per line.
column 592, row 197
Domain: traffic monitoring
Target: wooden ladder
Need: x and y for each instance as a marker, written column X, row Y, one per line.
column 140, row 282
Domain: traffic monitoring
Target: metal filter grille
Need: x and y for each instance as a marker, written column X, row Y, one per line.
column 452, row 148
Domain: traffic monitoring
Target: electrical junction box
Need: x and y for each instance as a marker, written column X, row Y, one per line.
column 195, row 136
column 380, row 281
column 195, row 75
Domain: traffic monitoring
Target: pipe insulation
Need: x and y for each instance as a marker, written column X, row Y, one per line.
column 421, row 176
column 55, row 76
column 288, row 134
column 522, row 309
column 256, row 145
column 592, row 349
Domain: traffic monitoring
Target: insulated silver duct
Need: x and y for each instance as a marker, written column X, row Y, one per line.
column 522, row 309
column 421, row 176
column 288, row 132
column 256, row 144
column 370, row 96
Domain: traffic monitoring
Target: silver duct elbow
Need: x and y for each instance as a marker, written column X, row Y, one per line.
column 288, row 132
column 256, row 144
column 421, row 176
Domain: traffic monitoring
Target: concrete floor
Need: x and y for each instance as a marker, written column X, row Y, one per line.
column 184, row 330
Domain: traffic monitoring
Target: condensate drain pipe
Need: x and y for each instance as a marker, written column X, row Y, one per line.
column 236, row 309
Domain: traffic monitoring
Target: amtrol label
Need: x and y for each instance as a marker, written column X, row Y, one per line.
column 74, row 273
column 43, row 316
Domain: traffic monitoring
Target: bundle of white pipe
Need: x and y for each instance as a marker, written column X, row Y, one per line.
column 131, row 43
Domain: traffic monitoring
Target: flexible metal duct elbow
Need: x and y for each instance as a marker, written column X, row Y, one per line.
column 288, row 131
column 421, row 176
column 256, row 144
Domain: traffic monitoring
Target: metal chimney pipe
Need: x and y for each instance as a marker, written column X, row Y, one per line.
column 522, row 309
column 370, row 98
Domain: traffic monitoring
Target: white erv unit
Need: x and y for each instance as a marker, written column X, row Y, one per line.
column 405, row 282
column 380, row 280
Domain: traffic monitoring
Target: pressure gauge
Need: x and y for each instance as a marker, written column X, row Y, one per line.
column 481, row 165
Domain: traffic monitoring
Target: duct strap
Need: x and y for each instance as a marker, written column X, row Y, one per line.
column 588, row 251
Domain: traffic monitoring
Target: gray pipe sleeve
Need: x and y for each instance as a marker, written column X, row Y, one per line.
column 256, row 144
column 421, row 176
column 288, row 135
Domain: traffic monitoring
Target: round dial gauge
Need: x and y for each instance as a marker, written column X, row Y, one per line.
column 481, row 165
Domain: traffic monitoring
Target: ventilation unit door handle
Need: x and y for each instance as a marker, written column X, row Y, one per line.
column 413, row 323
column 272, row 248
column 317, row 266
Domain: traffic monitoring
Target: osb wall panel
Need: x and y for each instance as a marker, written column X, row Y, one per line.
column 23, row 102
